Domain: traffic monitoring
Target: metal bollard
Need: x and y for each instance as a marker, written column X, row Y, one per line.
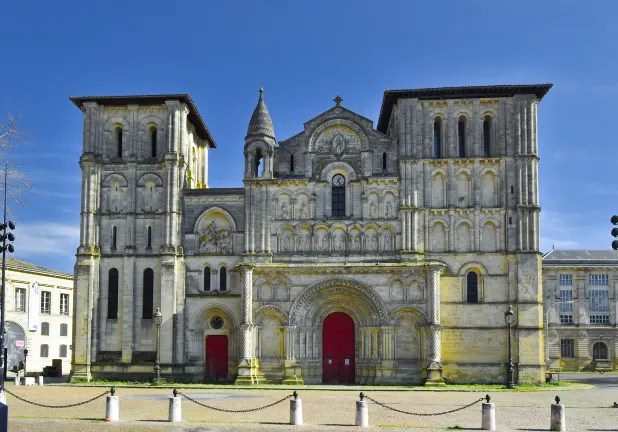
column 296, row 410
column 112, row 409
column 362, row 412
column 488, row 412
column 40, row 378
column 175, row 408
column 17, row 379
column 558, row 418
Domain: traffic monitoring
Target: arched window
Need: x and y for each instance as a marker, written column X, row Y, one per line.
column 112, row 294
column 338, row 195
column 44, row 350
column 291, row 163
column 118, row 132
column 113, row 237
column 207, row 279
column 437, row 138
column 148, row 294
column 223, row 279
column 44, row 329
column 259, row 163
column 472, row 287
column 63, row 351
column 384, row 161
column 149, row 238
column 599, row 351
column 153, row 141
column 64, row 330
column 487, row 136
column 461, row 136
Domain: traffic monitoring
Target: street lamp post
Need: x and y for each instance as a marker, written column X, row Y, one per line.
column 25, row 360
column 158, row 318
column 549, row 309
column 509, row 318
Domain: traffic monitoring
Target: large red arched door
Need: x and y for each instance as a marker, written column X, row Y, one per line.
column 216, row 358
column 338, row 349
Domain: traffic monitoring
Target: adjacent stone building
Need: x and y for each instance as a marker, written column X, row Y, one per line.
column 580, row 308
column 39, row 316
column 353, row 253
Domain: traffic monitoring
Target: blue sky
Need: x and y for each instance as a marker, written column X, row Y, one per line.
column 303, row 54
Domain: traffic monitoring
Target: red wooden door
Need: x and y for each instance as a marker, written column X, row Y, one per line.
column 338, row 349
column 216, row 358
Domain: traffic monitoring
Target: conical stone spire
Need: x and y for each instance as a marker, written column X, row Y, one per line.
column 260, row 123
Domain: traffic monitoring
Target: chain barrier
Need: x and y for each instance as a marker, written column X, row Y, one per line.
column 234, row 411
column 424, row 414
column 59, row 406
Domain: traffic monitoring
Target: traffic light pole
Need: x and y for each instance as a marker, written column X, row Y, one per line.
column 2, row 295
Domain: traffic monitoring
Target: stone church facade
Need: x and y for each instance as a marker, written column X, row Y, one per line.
column 352, row 254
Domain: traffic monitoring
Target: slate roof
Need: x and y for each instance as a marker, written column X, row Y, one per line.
column 578, row 257
column 464, row 92
column 260, row 123
column 194, row 115
column 17, row 265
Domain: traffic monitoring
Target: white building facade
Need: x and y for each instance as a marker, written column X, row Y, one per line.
column 39, row 316
column 581, row 309
column 352, row 254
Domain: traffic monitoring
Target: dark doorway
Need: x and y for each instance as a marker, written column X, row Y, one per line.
column 338, row 349
column 216, row 358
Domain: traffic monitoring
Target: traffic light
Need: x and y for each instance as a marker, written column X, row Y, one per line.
column 8, row 237
column 614, row 221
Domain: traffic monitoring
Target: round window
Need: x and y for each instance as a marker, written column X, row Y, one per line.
column 216, row 322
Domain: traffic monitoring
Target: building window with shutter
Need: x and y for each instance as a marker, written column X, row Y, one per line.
column 567, row 348
column 44, row 329
column 45, row 302
column 64, row 330
column 598, row 287
column 44, row 350
column 63, row 351
column 20, row 300
column 64, row 304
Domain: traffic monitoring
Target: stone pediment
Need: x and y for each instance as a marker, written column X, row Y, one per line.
column 339, row 112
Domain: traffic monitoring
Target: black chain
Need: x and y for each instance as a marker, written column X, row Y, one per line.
column 57, row 406
column 424, row 414
column 235, row 411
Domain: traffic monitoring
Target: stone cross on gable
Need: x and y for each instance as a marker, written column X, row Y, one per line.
column 338, row 100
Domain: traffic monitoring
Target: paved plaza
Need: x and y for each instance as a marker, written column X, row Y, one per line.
column 147, row 410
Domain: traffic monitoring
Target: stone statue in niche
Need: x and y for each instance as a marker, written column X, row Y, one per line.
column 339, row 242
column 286, row 243
column 387, row 241
column 355, row 243
column 214, row 240
column 338, row 145
column 324, row 244
column 284, row 211
column 389, row 210
column 373, row 210
column 302, row 214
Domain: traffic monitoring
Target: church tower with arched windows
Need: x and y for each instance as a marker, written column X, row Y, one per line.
column 350, row 253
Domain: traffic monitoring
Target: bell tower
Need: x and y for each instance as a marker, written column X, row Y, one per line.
column 260, row 143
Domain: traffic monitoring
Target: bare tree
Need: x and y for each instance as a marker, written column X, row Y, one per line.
column 12, row 136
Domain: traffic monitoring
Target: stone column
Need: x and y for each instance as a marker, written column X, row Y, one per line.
column 248, row 365
column 291, row 371
column 434, row 355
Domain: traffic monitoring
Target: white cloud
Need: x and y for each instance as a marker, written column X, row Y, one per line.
column 44, row 238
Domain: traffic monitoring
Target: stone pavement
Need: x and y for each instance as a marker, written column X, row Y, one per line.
column 147, row 410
